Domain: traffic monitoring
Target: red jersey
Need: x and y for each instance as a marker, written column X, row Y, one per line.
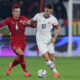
column 16, row 29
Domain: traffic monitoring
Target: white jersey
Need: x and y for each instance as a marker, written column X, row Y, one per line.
column 44, row 25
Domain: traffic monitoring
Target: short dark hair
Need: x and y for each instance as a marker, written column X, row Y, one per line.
column 14, row 7
column 49, row 6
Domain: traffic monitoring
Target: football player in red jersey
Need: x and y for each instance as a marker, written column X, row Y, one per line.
column 17, row 38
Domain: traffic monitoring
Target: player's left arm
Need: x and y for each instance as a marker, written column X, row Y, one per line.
column 55, row 34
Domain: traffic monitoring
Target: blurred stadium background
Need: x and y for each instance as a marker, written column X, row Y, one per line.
column 68, row 41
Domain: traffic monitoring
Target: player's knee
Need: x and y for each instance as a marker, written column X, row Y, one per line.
column 19, row 52
column 46, row 58
column 52, row 57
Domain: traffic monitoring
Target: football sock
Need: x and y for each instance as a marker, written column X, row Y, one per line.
column 15, row 62
column 22, row 62
column 54, row 69
column 51, row 66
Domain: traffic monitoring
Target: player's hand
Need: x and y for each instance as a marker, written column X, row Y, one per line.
column 26, row 22
column 29, row 22
column 53, row 40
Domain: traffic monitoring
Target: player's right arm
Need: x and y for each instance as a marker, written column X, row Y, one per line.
column 32, row 21
column 4, row 23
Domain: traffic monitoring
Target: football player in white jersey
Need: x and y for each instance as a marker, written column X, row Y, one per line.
column 45, row 23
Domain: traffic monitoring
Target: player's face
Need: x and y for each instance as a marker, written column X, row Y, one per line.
column 16, row 12
column 48, row 12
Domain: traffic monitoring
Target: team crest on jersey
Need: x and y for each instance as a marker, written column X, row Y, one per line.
column 12, row 22
column 48, row 22
column 20, row 21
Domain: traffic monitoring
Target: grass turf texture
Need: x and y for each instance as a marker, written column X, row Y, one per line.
column 69, row 68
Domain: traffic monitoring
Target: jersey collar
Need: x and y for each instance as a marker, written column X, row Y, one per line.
column 16, row 19
column 46, row 17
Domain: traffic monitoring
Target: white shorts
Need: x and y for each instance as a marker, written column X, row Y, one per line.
column 44, row 46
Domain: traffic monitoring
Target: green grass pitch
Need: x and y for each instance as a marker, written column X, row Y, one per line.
column 69, row 68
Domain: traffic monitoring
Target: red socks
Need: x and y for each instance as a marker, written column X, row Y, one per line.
column 15, row 62
column 22, row 62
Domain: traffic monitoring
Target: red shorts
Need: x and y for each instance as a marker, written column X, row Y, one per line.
column 18, row 45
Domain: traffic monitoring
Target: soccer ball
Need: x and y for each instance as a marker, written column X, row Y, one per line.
column 42, row 73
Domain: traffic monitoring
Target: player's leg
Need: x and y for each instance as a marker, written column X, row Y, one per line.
column 21, row 59
column 48, row 60
column 11, row 65
column 14, row 63
column 43, row 48
column 56, row 73
column 52, row 58
column 20, row 52
column 50, row 63
column 46, row 56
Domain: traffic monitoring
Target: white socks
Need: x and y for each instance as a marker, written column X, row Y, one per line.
column 51, row 65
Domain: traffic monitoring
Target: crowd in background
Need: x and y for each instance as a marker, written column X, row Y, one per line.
column 28, row 7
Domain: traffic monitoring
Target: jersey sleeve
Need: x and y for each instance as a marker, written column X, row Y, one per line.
column 25, row 18
column 55, row 23
column 35, row 17
column 4, row 23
